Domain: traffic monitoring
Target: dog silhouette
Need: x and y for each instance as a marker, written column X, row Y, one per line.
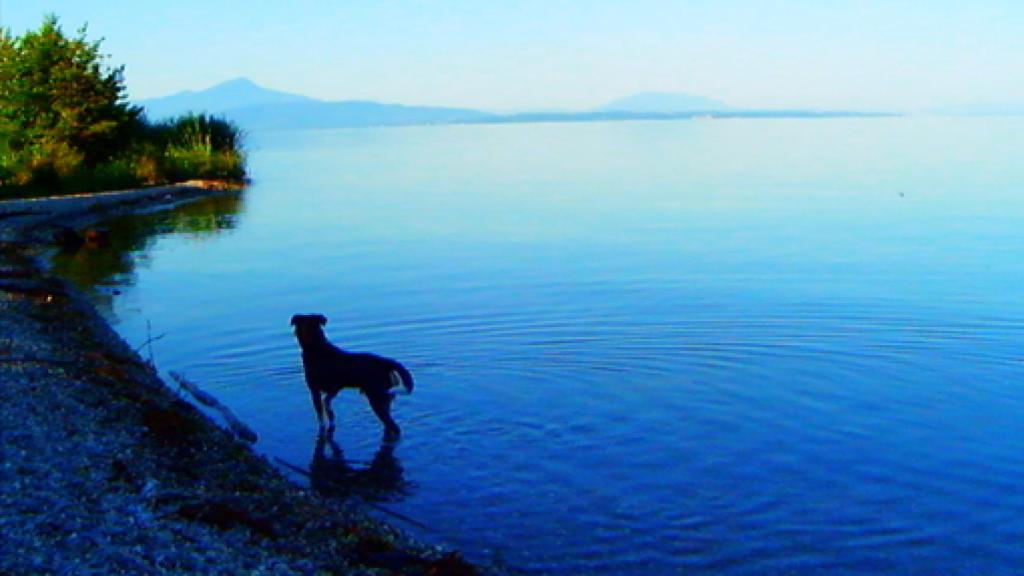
column 330, row 369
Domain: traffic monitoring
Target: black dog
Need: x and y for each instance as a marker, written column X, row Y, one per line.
column 329, row 369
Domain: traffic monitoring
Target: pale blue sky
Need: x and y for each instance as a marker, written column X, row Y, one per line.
column 530, row 54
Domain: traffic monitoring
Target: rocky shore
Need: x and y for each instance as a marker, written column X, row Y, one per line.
column 105, row 469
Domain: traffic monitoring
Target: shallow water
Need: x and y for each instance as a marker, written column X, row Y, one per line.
column 737, row 347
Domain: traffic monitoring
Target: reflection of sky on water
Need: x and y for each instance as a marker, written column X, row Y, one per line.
column 104, row 270
column 734, row 347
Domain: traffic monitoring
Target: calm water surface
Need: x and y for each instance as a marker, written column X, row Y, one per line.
column 734, row 347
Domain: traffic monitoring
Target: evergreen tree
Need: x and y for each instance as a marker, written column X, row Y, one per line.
column 7, row 54
column 60, row 106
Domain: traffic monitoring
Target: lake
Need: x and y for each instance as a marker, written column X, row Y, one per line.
column 731, row 347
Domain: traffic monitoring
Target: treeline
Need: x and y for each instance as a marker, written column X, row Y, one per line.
column 66, row 125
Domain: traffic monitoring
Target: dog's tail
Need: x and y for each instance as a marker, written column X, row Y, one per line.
column 401, row 377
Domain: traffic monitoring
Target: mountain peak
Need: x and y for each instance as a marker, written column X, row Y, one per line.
column 240, row 82
column 239, row 92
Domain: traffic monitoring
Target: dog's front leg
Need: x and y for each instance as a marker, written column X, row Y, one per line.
column 327, row 409
column 318, row 406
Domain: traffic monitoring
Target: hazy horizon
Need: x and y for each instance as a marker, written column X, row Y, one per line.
column 905, row 56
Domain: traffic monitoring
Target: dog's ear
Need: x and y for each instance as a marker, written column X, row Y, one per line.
column 321, row 319
column 295, row 319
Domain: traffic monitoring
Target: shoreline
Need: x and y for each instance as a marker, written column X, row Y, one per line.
column 105, row 468
column 25, row 220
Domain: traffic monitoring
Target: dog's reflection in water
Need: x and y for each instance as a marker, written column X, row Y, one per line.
column 332, row 475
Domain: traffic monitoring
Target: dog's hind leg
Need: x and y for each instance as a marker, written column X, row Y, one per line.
column 327, row 407
column 381, row 403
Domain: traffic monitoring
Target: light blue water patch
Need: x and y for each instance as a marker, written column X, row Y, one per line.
column 730, row 347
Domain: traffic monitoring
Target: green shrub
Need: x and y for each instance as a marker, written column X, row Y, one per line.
column 190, row 163
column 199, row 132
column 200, row 146
column 117, row 174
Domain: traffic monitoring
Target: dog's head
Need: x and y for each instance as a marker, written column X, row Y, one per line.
column 309, row 328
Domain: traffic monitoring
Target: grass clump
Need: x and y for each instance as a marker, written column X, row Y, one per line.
column 197, row 146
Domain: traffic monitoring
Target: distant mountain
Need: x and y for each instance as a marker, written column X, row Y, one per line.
column 237, row 93
column 317, row 114
column 256, row 108
column 664, row 103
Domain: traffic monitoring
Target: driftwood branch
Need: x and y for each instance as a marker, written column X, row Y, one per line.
column 149, row 341
column 237, row 427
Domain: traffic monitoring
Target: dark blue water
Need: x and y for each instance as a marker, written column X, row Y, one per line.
column 731, row 347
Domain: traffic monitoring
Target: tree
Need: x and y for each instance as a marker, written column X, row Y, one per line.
column 7, row 53
column 66, row 125
column 59, row 104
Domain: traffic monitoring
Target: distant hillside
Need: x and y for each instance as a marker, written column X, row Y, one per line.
column 664, row 103
column 256, row 108
column 351, row 113
column 237, row 93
